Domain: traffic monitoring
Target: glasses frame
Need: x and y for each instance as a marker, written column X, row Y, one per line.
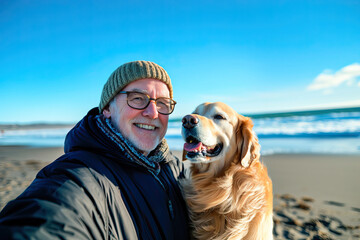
column 173, row 102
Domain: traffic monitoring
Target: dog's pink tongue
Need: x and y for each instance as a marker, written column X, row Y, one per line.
column 191, row 147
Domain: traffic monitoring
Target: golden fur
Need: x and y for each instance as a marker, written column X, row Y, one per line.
column 229, row 195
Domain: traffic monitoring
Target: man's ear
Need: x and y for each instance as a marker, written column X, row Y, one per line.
column 107, row 112
column 247, row 141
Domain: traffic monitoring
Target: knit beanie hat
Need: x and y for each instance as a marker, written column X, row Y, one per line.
column 130, row 72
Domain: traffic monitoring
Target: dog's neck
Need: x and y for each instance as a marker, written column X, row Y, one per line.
column 216, row 168
column 198, row 168
column 212, row 169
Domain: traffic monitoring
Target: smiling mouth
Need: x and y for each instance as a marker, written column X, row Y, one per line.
column 196, row 148
column 145, row 126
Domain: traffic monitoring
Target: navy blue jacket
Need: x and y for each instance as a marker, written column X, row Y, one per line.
column 95, row 192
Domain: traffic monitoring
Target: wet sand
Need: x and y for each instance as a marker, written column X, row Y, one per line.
column 315, row 196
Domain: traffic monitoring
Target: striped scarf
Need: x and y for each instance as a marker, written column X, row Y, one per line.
column 150, row 162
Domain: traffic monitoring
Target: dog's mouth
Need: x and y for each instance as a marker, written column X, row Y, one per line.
column 196, row 148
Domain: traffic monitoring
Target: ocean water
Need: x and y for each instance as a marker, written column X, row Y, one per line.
column 45, row 137
column 326, row 131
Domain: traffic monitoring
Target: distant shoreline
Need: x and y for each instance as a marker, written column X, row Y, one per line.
column 335, row 131
column 307, row 112
column 33, row 126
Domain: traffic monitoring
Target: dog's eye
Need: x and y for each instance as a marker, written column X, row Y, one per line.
column 219, row 117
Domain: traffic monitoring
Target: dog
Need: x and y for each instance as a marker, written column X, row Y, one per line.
column 229, row 193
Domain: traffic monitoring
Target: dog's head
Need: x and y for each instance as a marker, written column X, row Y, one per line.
column 214, row 131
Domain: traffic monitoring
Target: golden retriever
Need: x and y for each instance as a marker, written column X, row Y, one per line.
column 229, row 194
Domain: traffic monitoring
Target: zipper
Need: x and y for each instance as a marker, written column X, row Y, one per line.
column 170, row 205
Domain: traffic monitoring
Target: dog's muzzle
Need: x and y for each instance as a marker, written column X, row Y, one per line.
column 193, row 145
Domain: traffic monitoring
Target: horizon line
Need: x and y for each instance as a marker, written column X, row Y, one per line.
column 174, row 119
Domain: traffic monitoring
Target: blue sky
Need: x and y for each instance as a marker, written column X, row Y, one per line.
column 257, row 56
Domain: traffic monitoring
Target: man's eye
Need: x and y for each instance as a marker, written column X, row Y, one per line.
column 162, row 103
column 219, row 117
column 137, row 97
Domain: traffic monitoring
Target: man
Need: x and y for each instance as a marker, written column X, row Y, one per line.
column 117, row 178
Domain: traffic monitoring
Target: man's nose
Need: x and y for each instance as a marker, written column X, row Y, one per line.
column 151, row 110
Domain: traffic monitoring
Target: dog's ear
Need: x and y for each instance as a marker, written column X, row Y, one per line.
column 247, row 141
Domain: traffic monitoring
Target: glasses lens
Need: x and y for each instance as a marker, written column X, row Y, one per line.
column 165, row 105
column 137, row 100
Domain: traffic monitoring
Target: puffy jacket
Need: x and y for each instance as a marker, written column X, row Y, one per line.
column 94, row 191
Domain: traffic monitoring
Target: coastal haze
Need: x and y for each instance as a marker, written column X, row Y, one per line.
column 292, row 66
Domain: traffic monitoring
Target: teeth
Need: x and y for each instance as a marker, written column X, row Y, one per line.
column 148, row 127
column 210, row 148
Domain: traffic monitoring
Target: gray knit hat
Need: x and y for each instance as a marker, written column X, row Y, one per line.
column 128, row 73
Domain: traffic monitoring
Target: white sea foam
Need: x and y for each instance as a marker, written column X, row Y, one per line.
column 293, row 126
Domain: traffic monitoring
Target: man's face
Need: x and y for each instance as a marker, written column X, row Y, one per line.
column 143, row 128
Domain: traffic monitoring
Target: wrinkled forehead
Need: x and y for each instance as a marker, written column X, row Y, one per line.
column 211, row 109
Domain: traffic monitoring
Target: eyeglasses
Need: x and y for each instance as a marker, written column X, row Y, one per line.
column 138, row 100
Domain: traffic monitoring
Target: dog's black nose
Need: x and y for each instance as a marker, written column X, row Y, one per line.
column 190, row 121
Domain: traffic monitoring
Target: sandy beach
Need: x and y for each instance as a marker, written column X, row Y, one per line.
column 315, row 196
